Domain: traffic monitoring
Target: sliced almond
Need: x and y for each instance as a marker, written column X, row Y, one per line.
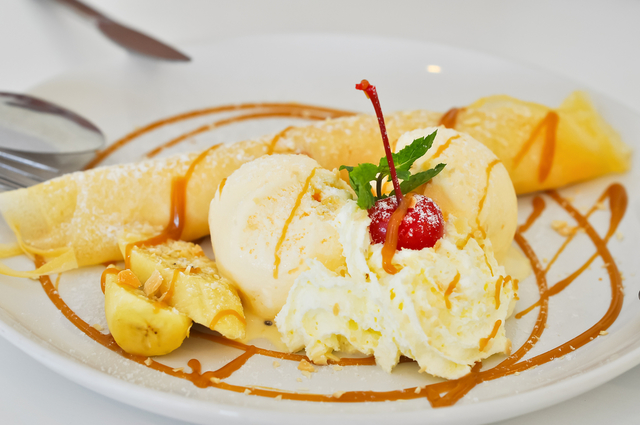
column 153, row 283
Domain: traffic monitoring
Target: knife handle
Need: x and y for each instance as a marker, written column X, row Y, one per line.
column 84, row 9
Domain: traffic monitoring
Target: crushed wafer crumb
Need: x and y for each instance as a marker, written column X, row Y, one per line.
column 306, row 366
column 279, row 397
column 215, row 380
column 336, row 367
column 604, row 333
column 276, row 364
column 148, row 361
column 97, row 327
column 563, row 228
column 338, row 394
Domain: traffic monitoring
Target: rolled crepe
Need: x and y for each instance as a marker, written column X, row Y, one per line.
column 81, row 214
column 543, row 148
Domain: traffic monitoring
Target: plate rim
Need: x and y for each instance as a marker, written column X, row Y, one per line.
column 169, row 403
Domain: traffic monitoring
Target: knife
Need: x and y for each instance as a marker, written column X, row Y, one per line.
column 132, row 40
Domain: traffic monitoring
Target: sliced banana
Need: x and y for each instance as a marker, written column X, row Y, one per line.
column 190, row 283
column 141, row 325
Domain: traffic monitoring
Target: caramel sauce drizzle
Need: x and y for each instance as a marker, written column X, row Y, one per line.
column 538, row 208
column 494, row 332
column 550, row 123
column 223, row 313
column 103, row 277
column 440, row 394
column 221, row 185
column 450, row 288
column 444, row 147
column 276, row 138
column 391, row 239
column 283, row 109
column 283, row 235
column 498, row 288
column 618, row 203
column 450, row 118
column 177, row 215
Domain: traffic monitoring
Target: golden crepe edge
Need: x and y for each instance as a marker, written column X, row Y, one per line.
column 75, row 219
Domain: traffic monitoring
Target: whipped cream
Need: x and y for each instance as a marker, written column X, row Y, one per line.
column 441, row 309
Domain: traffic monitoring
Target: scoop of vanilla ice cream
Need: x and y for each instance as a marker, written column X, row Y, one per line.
column 474, row 186
column 270, row 216
column 436, row 310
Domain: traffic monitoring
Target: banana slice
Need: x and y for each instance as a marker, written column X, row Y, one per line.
column 190, row 283
column 141, row 325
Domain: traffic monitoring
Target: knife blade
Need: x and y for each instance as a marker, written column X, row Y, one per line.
column 132, row 40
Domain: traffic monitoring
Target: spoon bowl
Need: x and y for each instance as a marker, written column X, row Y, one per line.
column 29, row 125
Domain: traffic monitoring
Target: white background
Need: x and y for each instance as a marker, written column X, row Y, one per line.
column 593, row 42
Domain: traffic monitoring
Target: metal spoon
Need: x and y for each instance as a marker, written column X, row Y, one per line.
column 46, row 133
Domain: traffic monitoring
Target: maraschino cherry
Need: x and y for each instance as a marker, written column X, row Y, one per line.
column 409, row 222
column 421, row 226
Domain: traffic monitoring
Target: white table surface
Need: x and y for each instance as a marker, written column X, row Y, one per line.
column 594, row 42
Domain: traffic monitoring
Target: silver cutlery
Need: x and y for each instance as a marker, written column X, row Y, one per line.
column 130, row 39
column 40, row 140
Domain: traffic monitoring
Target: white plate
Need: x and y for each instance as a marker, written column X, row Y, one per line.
column 322, row 70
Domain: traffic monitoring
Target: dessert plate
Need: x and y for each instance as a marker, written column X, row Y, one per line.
column 321, row 70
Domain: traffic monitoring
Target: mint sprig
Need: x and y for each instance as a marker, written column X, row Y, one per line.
column 360, row 177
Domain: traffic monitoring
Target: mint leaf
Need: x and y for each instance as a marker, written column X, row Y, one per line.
column 410, row 153
column 360, row 178
column 419, row 179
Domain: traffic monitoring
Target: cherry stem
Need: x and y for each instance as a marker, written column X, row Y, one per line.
column 372, row 94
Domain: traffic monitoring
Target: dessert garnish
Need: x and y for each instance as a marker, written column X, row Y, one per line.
column 413, row 221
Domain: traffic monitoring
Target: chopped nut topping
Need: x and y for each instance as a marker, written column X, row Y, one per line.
column 215, row 380
column 336, row 309
column 178, row 369
column 97, row 326
column 247, row 391
column 306, row 374
column 276, row 364
column 604, row 333
column 148, row 362
column 153, row 283
column 338, row 394
column 563, row 228
column 517, row 373
column 305, row 366
column 418, row 389
column 336, row 367
column 299, row 379
column 279, row 397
